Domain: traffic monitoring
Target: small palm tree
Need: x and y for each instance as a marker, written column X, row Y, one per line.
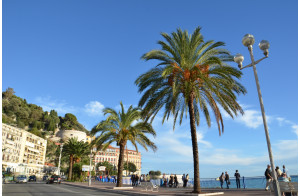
column 119, row 127
column 75, row 150
column 192, row 77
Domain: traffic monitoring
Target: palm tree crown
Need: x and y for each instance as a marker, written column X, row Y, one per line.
column 75, row 150
column 121, row 127
column 191, row 76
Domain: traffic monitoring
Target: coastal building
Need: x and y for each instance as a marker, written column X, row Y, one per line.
column 111, row 155
column 90, row 138
column 22, row 152
column 66, row 134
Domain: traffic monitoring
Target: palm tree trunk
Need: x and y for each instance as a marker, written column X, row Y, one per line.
column 121, row 164
column 70, row 167
column 197, row 188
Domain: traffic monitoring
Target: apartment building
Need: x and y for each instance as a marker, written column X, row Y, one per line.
column 111, row 155
column 22, row 152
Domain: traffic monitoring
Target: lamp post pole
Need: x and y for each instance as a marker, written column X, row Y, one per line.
column 248, row 41
column 90, row 170
column 61, row 147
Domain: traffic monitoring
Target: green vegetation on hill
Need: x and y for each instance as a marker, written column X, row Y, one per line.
column 17, row 111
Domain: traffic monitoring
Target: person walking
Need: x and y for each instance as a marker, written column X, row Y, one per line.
column 183, row 179
column 227, row 180
column 237, row 179
column 186, row 180
column 171, row 181
column 268, row 176
column 137, row 180
column 175, row 181
column 132, row 179
column 221, row 178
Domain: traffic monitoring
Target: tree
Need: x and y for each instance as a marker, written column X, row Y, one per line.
column 52, row 152
column 131, row 167
column 75, row 150
column 8, row 93
column 119, row 127
column 191, row 76
column 108, row 166
column 36, row 132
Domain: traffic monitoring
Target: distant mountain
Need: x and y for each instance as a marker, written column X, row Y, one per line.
column 18, row 112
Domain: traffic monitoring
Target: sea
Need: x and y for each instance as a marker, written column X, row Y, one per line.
column 258, row 182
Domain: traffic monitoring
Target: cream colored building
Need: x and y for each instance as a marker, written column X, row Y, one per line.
column 111, row 155
column 66, row 134
column 22, row 152
column 89, row 139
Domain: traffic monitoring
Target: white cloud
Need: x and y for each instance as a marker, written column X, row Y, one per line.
column 295, row 129
column 251, row 118
column 286, row 149
column 60, row 106
column 282, row 121
column 94, row 108
column 228, row 157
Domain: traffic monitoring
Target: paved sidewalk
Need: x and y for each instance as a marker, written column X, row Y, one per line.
column 108, row 187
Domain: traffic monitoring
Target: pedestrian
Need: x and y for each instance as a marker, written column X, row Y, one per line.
column 237, row 179
column 227, row 180
column 221, row 178
column 132, row 179
column 171, row 181
column 268, row 176
column 137, row 180
column 108, row 178
column 183, row 179
column 148, row 178
column 175, row 181
column 278, row 172
column 186, row 180
column 165, row 180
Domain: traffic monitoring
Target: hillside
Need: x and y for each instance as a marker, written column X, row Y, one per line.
column 16, row 111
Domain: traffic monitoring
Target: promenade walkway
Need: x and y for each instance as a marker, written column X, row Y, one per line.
column 108, row 187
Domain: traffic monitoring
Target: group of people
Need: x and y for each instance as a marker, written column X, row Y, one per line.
column 173, row 181
column 106, row 178
column 185, row 179
column 135, row 179
column 281, row 175
column 225, row 178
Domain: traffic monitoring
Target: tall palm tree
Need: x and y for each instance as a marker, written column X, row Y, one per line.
column 75, row 150
column 191, row 76
column 121, row 127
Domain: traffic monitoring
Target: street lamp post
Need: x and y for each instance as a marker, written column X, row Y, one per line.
column 248, row 41
column 90, row 170
column 90, row 179
column 61, row 147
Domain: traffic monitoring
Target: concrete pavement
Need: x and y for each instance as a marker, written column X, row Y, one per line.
column 38, row 189
column 166, row 191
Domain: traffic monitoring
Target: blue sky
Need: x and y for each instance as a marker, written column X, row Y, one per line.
column 81, row 56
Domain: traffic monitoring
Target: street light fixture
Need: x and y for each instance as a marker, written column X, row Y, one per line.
column 248, row 40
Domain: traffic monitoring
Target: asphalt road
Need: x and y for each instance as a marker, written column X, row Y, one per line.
column 42, row 189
